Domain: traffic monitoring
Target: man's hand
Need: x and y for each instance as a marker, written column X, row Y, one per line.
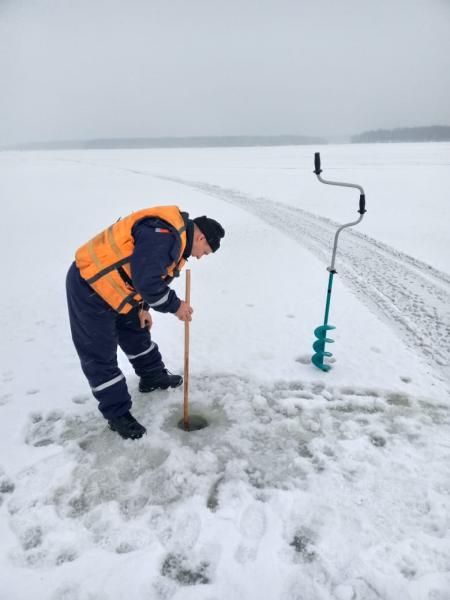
column 145, row 319
column 184, row 312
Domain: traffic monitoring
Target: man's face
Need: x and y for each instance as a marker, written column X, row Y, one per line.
column 200, row 246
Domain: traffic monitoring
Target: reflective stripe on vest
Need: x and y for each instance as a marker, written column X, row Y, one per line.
column 104, row 262
column 117, row 287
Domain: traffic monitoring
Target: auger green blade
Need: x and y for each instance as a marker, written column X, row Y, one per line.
column 317, row 360
column 319, row 345
column 321, row 331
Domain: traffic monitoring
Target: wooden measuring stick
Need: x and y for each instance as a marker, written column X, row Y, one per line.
column 186, row 355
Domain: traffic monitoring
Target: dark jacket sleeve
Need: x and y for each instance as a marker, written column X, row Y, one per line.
column 153, row 253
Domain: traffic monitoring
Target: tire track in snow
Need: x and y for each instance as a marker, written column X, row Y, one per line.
column 408, row 294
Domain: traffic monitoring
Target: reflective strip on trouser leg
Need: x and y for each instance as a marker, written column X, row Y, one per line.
column 149, row 349
column 148, row 361
column 113, row 397
column 108, row 384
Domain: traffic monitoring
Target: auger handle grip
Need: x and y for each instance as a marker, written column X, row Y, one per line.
column 317, row 169
column 362, row 204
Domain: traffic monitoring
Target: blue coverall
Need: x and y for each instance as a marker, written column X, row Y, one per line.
column 97, row 328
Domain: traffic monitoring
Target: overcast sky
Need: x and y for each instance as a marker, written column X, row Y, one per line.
column 77, row 69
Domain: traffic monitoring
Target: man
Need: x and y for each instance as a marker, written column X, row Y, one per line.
column 116, row 277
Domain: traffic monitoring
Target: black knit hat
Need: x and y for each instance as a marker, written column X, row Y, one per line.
column 212, row 230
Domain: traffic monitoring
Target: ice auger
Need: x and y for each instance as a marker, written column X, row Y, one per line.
column 321, row 331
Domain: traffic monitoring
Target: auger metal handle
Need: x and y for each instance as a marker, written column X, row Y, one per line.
column 318, row 171
column 362, row 205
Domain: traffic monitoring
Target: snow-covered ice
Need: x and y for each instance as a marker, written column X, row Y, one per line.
column 306, row 485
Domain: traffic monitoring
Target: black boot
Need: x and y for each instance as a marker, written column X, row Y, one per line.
column 162, row 381
column 127, row 427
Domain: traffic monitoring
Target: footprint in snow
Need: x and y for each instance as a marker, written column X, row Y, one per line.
column 188, row 529
column 317, row 388
column 184, row 571
column 212, row 501
column 253, row 527
column 398, row 399
column 377, row 440
column 162, row 588
column 177, row 534
column 6, row 486
column 304, row 359
column 57, row 428
column 344, row 592
column 303, row 546
column 364, row 589
column 5, row 398
column 31, row 537
column 42, row 430
column 350, row 391
column 301, row 587
column 74, row 591
column 81, row 399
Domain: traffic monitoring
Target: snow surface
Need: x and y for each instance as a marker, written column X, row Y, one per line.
column 306, row 485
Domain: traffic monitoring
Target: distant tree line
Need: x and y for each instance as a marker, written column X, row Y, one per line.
column 433, row 133
column 205, row 141
column 172, row 142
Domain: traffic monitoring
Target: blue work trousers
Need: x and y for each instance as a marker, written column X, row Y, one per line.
column 97, row 330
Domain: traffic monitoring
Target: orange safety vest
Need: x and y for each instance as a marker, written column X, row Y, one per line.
column 104, row 261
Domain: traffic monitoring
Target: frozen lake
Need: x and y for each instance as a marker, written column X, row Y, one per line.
column 306, row 485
